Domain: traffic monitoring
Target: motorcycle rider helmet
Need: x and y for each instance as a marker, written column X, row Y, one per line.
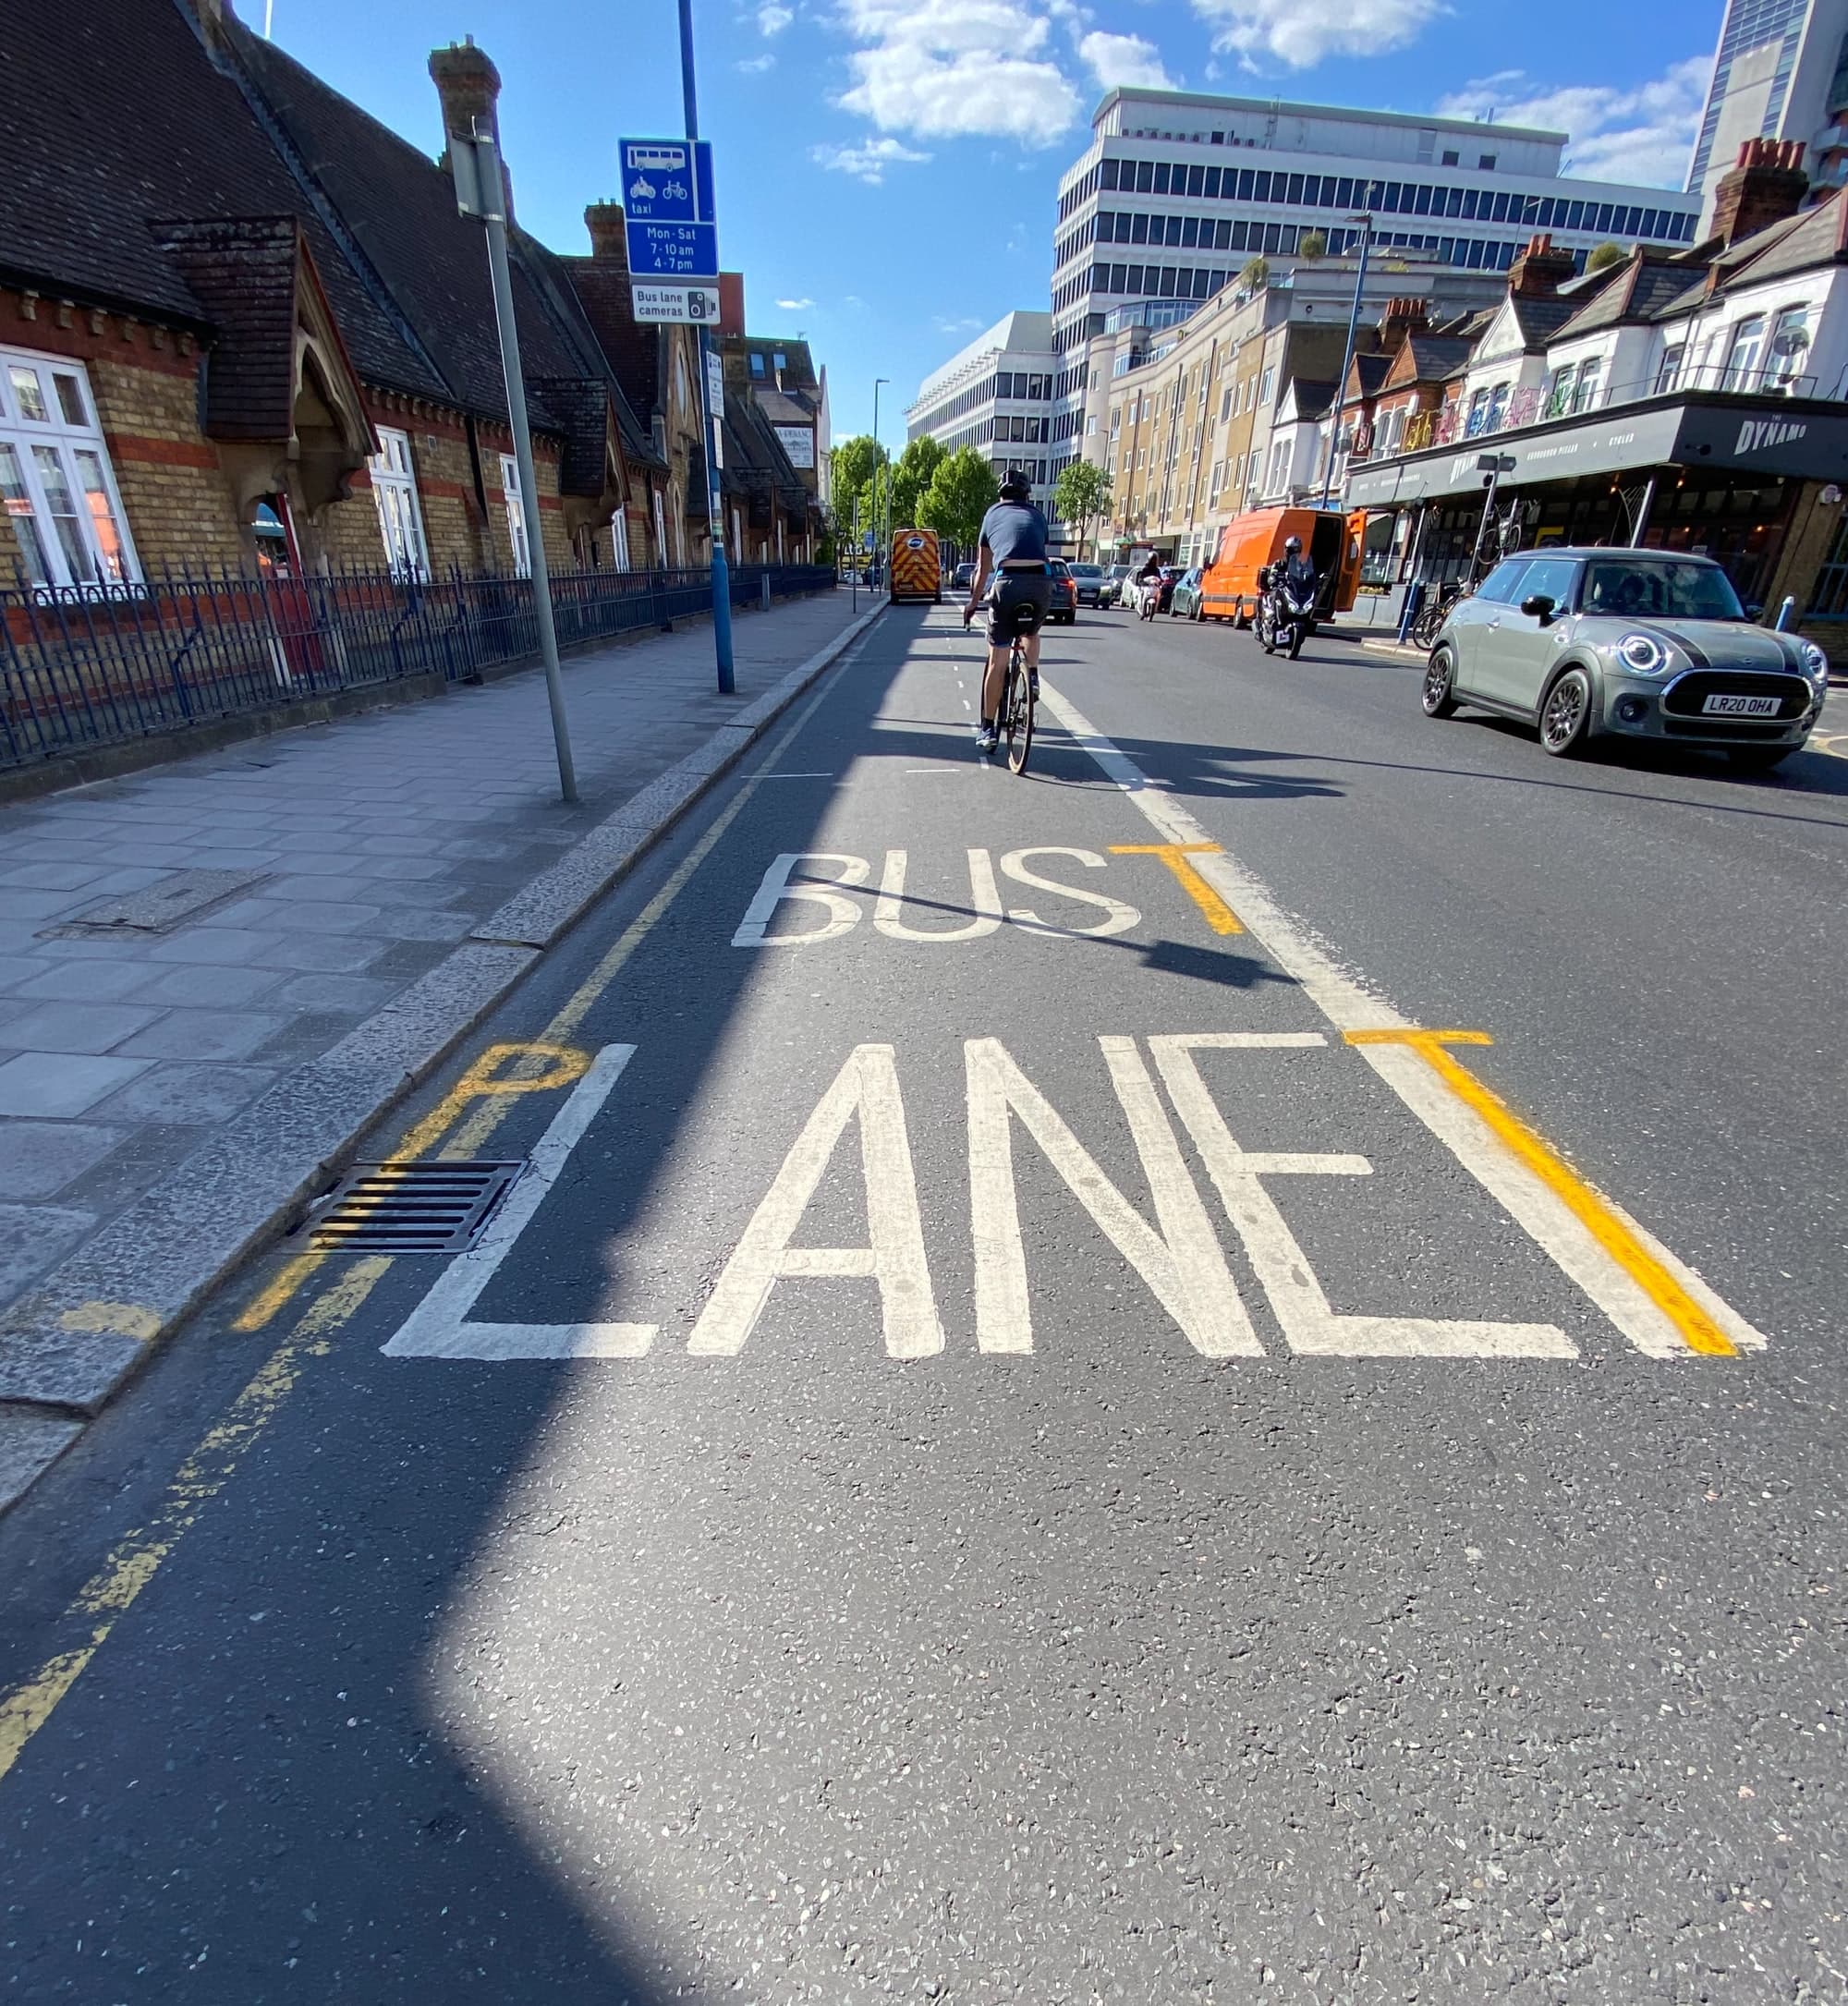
column 1292, row 546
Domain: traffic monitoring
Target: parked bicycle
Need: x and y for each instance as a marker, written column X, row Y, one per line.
column 1432, row 613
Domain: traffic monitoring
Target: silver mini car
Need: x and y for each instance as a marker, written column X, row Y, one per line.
column 1638, row 644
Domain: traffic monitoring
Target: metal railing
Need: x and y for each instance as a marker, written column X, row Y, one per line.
column 1544, row 403
column 85, row 667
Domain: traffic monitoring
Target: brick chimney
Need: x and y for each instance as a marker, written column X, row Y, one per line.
column 469, row 86
column 608, row 243
column 1402, row 317
column 1539, row 271
column 1767, row 186
column 732, row 304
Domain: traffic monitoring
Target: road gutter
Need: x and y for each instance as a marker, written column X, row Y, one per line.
column 71, row 1345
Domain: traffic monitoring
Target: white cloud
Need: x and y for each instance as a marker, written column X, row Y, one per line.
column 1642, row 134
column 754, row 65
column 866, row 162
column 772, row 20
column 1302, row 33
column 794, row 305
column 947, row 68
column 1123, row 59
column 966, row 327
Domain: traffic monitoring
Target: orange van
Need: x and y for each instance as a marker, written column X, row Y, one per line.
column 917, row 566
column 1229, row 590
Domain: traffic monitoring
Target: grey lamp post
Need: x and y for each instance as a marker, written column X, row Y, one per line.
column 475, row 162
column 1366, row 223
column 881, row 494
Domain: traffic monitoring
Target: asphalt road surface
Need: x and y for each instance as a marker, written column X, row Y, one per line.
column 1024, row 1436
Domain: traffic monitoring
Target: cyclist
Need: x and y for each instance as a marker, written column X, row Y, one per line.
column 1013, row 553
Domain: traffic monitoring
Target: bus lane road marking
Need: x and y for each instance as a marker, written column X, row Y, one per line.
column 1659, row 1303
column 1177, row 1253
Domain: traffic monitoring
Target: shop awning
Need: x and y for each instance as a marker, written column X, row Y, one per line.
column 1791, row 438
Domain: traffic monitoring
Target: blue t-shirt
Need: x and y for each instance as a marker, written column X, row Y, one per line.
column 1014, row 532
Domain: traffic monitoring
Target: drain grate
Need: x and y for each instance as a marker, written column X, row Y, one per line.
column 411, row 1208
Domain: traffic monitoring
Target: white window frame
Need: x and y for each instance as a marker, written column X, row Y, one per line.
column 394, row 475
column 619, row 541
column 516, row 537
column 26, row 498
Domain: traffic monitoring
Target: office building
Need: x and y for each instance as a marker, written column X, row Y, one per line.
column 995, row 394
column 1177, row 192
column 1781, row 73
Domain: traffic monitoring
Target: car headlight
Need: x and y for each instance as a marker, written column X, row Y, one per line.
column 1642, row 653
column 1816, row 664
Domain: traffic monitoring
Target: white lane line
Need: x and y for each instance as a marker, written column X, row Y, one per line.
column 1350, row 1006
column 1182, row 1263
column 439, row 1326
column 866, row 1088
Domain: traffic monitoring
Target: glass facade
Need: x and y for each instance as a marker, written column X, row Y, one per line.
column 1750, row 24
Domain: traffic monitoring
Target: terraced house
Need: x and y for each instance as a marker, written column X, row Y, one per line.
column 243, row 327
column 1680, row 400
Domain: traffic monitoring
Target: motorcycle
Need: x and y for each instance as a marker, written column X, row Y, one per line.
column 1147, row 597
column 1287, row 613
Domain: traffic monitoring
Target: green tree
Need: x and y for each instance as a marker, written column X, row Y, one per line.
column 853, row 460
column 911, row 478
column 1081, row 496
column 961, row 491
column 1253, row 274
column 1314, row 243
column 1605, row 256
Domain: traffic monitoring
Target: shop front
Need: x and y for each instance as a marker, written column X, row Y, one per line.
column 1724, row 477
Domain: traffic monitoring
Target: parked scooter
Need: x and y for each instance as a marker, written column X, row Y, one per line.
column 1287, row 613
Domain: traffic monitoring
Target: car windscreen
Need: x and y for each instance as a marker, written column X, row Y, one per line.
column 1628, row 590
column 1088, row 571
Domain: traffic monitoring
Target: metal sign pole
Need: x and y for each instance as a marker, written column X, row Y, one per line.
column 710, row 418
column 482, row 193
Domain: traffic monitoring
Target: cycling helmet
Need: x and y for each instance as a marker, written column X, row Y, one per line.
column 1017, row 487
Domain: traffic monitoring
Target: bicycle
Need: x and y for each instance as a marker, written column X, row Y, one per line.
column 1432, row 615
column 1013, row 714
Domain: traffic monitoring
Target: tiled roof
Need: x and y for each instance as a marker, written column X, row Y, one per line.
column 1814, row 236
column 399, row 209
column 116, row 116
column 1638, row 291
column 1434, row 356
column 1539, row 320
column 243, row 274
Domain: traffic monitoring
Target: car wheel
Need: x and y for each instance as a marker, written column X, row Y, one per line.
column 1194, row 611
column 1436, row 698
column 1565, row 716
column 1757, row 759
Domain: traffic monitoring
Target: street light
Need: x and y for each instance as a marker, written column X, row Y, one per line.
column 1365, row 222
column 481, row 192
column 881, row 491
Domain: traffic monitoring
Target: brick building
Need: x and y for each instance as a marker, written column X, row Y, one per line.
column 242, row 324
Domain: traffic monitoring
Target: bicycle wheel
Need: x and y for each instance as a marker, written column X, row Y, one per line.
column 1017, row 713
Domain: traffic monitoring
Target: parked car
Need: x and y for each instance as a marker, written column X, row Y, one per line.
column 1171, row 577
column 1090, row 579
column 1636, row 644
column 1064, row 604
column 1114, row 580
column 1184, row 600
column 1254, row 540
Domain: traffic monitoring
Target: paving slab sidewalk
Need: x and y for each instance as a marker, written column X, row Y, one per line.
column 351, row 897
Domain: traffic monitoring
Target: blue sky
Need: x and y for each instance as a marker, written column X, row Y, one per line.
column 887, row 168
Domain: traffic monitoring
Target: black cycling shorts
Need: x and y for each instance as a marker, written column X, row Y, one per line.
column 1018, row 605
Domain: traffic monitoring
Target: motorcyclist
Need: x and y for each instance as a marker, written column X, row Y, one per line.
column 1148, row 581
